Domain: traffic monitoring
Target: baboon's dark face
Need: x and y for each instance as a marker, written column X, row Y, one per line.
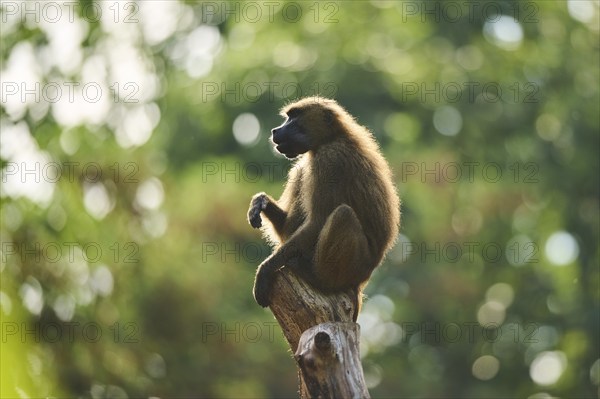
column 290, row 138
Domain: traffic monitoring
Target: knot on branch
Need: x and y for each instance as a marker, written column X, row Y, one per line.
column 320, row 330
column 329, row 361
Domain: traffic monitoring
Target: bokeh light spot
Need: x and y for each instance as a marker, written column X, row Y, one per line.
column 102, row 281
column 486, row 367
column 548, row 127
column 246, row 128
column 469, row 57
column 491, row 313
column 547, row 367
column 500, row 292
column 595, row 372
column 402, row 127
column 504, row 32
column 96, row 200
column 150, row 194
column 32, row 295
column 561, row 248
column 447, row 120
column 582, row 10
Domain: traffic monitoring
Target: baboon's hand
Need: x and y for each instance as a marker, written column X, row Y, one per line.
column 262, row 287
column 257, row 205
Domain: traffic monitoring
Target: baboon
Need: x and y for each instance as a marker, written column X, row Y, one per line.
column 339, row 213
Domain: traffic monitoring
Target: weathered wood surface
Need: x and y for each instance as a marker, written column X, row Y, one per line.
column 320, row 331
column 329, row 361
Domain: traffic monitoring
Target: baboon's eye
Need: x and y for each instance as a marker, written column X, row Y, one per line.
column 292, row 113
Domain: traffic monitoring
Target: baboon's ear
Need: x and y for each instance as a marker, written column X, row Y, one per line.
column 329, row 117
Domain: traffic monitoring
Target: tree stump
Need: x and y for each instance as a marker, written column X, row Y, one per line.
column 322, row 335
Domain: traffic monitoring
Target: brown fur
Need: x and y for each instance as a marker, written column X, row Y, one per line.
column 339, row 213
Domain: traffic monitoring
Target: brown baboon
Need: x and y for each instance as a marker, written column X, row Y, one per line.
column 339, row 213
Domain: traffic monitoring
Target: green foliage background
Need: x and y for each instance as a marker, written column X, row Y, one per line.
column 154, row 253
